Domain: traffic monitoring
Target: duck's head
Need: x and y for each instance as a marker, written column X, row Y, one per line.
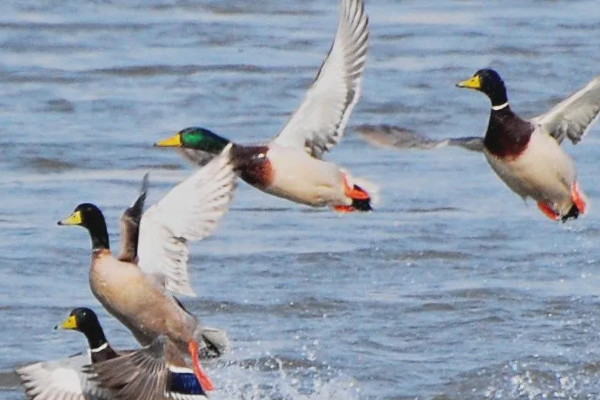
column 489, row 82
column 84, row 320
column 81, row 319
column 85, row 214
column 90, row 217
column 196, row 138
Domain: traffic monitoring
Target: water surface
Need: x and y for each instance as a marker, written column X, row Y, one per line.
column 452, row 289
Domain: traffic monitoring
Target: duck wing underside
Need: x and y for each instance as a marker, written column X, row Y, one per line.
column 400, row 138
column 573, row 117
column 189, row 212
column 319, row 122
column 62, row 379
column 130, row 225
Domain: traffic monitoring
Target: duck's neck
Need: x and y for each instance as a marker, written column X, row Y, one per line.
column 96, row 339
column 100, row 349
column 498, row 97
column 99, row 234
column 507, row 134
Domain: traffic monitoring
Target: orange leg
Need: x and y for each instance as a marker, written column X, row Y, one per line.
column 354, row 192
column 548, row 212
column 200, row 375
column 343, row 209
column 577, row 198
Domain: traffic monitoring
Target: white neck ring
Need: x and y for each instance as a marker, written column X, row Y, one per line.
column 99, row 348
column 500, row 107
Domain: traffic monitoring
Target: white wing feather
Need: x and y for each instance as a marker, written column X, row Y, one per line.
column 189, row 212
column 319, row 122
column 573, row 116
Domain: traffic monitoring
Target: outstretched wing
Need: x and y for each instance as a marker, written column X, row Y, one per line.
column 130, row 225
column 400, row 138
column 189, row 212
column 156, row 371
column 318, row 124
column 62, row 379
column 573, row 116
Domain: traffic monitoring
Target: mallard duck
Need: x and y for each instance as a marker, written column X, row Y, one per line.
column 70, row 378
column 290, row 165
column 65, row 378
column 139, row 295
column 525, row 154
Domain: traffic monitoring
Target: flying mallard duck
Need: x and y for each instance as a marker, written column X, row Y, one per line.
column 139, row 294
column 74, row 378
column 290, row 165
column 525, row 154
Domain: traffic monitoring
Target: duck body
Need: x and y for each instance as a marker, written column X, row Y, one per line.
column 526, row 155
column 541, row 171
column 292, row 174
column 142, row 306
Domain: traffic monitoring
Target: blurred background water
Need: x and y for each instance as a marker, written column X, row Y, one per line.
column 452, row 289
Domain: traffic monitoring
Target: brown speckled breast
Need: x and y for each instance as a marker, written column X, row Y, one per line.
column 507, row 135
column 252, row 165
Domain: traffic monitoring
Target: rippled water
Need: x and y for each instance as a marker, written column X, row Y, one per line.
column 451, row 289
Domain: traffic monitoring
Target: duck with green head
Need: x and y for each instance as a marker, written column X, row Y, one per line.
column 140, row 294
column 290, row 165
column 526, row 154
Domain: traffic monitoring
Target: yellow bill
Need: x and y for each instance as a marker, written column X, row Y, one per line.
column 471, row 83
column 69, row 323
column 73, row 219
column 173, row 141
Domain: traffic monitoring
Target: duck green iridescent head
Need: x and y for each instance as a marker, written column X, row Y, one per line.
column 489, row 82
column 197, row 139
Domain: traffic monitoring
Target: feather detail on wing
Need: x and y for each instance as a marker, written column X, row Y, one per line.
column 573, row 116
column 189, row 212
column 62, row 379
column 154, row 372
column 319, row 122
column 130, row 225
column 400, row 138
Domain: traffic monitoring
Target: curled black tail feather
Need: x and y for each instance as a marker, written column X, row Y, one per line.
column 361, row 204
column 573, row 213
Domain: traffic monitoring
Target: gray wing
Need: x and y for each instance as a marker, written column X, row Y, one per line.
column 62, row 379
column 319, row 122
column 573, row 116
column 145, row 374
column 130, row 225
column 400, row 138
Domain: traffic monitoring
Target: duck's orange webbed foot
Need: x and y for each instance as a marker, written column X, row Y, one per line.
column 577, row 198
column 354, row 192
column 548, row 212
column 343, row 209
